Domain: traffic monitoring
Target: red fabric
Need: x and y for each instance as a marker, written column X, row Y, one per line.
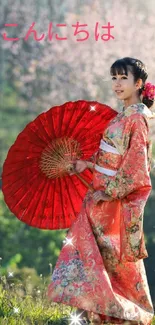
column 33, row 197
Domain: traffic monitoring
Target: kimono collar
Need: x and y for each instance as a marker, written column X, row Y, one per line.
column 142, row 108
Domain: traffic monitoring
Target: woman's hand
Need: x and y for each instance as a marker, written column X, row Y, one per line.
column 79, row 166
column 101, row 196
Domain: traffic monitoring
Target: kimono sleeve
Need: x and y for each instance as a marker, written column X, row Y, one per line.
column 133, row 174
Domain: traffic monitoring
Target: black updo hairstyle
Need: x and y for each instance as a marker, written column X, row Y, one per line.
column 137, row 68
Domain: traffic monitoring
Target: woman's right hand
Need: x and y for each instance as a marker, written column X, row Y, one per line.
column 79, row 166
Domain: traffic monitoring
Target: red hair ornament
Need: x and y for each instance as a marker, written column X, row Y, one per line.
column 149, row 91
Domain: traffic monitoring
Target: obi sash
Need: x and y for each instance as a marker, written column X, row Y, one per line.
column 107, row 147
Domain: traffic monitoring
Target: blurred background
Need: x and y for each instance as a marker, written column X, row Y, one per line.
column 36, row 75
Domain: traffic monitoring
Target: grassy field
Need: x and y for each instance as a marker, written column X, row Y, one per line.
column 25, row 304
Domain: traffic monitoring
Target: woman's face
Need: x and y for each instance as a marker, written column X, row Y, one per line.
column 124, row 86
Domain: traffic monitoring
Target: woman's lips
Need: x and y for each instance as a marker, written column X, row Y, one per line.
column 119, row 91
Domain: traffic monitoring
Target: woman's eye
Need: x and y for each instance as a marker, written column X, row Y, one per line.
column 114, row 78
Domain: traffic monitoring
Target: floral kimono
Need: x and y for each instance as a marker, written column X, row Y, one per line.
column 100, row 267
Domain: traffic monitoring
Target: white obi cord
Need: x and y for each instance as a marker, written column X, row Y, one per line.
column 106, row 147
column 106, row 171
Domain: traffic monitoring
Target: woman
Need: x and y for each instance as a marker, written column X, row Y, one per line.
column 100, row 268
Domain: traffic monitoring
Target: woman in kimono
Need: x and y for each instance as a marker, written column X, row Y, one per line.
column 100, row 269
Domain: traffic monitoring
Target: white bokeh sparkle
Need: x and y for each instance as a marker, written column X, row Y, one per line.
column 92, row 108
column 75, row 319
column 68, row 241
column 10, row 274
column 16, row 310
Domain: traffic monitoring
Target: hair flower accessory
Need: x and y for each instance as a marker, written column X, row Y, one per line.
column 149, row 91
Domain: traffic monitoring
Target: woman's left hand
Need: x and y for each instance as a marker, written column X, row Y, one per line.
column 101, row 196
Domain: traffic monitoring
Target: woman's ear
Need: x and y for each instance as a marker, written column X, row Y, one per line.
column 139, row 83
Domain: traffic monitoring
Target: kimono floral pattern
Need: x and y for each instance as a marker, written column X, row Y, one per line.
column 100, row 267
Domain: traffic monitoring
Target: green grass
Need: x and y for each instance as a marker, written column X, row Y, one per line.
column 27, row 304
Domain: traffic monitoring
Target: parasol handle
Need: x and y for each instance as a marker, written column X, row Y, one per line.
column 85, row 182
column 70, row 168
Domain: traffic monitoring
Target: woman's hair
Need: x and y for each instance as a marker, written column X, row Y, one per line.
column 137, row 68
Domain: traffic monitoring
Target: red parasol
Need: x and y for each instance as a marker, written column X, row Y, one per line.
column 36, row 185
